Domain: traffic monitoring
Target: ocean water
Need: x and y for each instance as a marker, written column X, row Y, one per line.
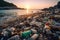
column 18, row 12
column 6, row 15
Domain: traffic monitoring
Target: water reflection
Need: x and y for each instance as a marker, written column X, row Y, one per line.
column 27, row 11
column 7, row 14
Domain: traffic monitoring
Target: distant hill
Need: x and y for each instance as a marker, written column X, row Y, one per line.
column 58, row 5
column 7, row 5
column 52, row 8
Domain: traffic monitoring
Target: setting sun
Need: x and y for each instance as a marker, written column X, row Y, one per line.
column 27, row 8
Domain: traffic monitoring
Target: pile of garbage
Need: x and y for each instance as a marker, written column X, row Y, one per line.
column 36, row 27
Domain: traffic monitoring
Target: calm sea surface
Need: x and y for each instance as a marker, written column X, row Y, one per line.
column 10, row 14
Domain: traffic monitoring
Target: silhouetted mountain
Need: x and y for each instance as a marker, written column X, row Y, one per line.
column 6, row 4
column 58, row 5
column 52, row 8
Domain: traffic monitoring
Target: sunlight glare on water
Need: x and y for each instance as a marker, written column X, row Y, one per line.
column 27, row 8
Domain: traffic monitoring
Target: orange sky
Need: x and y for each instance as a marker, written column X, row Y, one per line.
column 34, row 4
